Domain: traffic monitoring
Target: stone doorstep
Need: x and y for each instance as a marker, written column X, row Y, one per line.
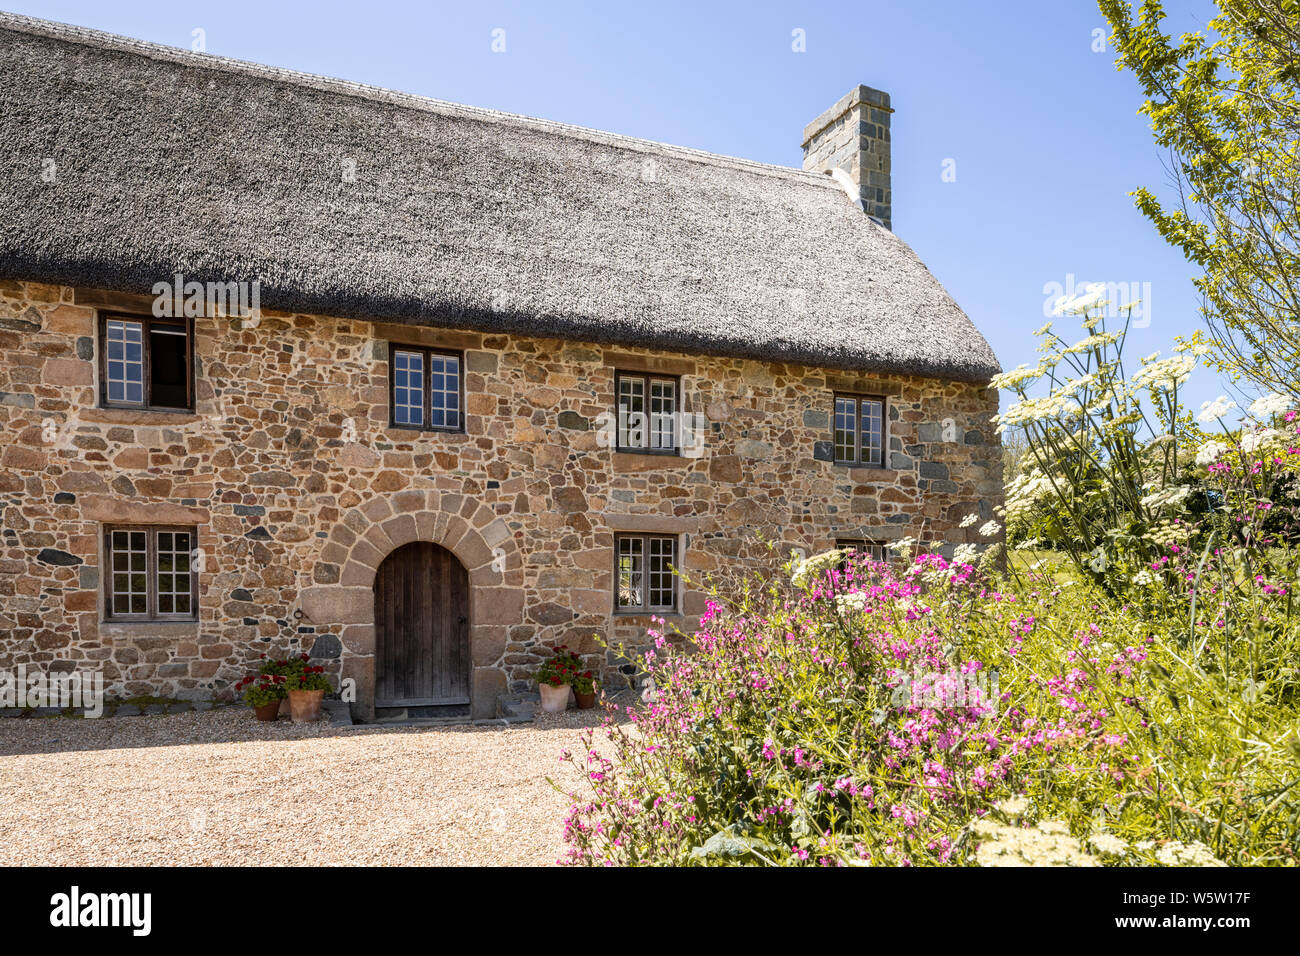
column 431, row 716
column 511, row 709
column 465, row 721
column 338, row 713
column 518, row 708
column 440, row 722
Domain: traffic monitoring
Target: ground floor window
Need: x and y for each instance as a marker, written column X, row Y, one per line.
column 150, row 573
column 643, row 572
column 863, row 548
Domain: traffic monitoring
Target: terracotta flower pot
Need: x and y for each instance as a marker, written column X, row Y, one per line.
column 305, row 705
column 268, row 711
column 554, row 699
column 585, row 701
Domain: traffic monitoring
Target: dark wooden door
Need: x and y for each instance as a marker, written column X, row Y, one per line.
column 421, row 628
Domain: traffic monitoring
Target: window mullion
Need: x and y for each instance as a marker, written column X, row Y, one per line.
column 649, row 573
column 645, row 569
column 679, row 416
column 644, row 443
column 857, row 431
column 426, row 383
column 151, row 574
column 146, row 354
column 107, row 531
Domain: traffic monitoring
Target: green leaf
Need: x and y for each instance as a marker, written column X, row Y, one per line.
column 725, row 843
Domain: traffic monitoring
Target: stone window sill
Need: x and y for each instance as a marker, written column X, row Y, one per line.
column 867, row 472
column 634, row 461
column 409, row 433
column 116, row 628
column 138, row 416
column 643, row 618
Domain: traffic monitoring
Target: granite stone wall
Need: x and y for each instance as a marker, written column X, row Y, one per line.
column 299, row 490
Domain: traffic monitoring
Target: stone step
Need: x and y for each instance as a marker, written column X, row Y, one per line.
column 338, row 713
column 518, row 708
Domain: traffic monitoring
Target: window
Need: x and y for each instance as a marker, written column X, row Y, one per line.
column 647, row 413
column 875, row 550
column 146, row 363
column 643, row 572
column 151, row 573
column 859, row 431
column 426, row 388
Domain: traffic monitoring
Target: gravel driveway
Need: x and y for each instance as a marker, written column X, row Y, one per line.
column 219, row 788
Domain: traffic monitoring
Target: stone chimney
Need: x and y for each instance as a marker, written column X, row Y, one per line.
column 853, row 136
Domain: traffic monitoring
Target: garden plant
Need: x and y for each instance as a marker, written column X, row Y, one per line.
column 1111, row 679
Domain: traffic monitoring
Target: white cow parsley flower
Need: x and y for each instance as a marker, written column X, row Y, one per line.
column 1213, row 411
column 1107, row 844
column 1016, row 377
column 903, row 546
column 1166, row 374
column 1270, row 405
column 810, row 569
column 1093, row 295
column 1252, row 441
column 854, row 601
column 964, row 554
column 1210, row 452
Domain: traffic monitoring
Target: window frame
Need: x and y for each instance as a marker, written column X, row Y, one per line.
column 146, row 322
column 645, row 537
column 858, row 399
column 151, row 613
column 426, row 351
column 648, row 377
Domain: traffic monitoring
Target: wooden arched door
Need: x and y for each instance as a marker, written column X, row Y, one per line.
column 421, row 628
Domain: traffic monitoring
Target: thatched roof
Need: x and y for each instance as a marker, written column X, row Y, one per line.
column 170, row 161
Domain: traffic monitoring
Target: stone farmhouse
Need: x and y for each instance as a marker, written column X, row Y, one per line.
column 291, row 363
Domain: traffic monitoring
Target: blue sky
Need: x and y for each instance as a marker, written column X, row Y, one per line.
column 1042, row 129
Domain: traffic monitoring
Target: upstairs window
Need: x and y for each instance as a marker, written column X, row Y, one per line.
column 860, row 430
column 426, row 389
column 647, row 413
column 151, row 573
column 643, row 572
column 147, row 363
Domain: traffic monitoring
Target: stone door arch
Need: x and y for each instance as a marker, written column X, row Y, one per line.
column 358, row 544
